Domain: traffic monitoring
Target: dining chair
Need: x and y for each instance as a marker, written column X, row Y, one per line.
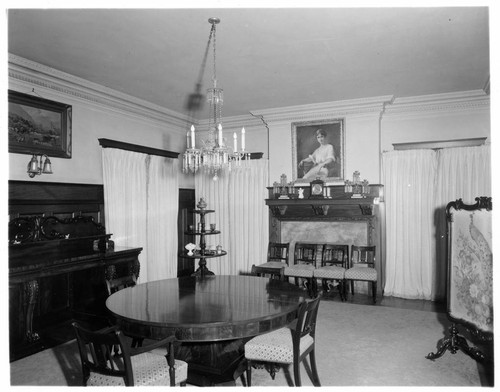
column 362, row 268
column 334, row 259
column 131, row 366
column 277, row 258
column 304, row 264
column 114, row 284
column 287, row 345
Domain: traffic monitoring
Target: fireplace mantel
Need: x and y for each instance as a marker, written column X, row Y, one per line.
column 339, row 206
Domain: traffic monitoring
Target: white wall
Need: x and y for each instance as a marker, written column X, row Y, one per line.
column 440, row 118
column 372, row 125
column 94, row 116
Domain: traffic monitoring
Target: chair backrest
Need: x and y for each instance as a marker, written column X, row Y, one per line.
column 278, row 252
column 114, row 284
column 305, row 253
column 363, row 256
column 306, row 322
column 334, row 254
column 96, row 353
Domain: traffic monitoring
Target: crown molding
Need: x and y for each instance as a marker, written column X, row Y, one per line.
column 464, row 101
column 325, row 110
column 27, row 71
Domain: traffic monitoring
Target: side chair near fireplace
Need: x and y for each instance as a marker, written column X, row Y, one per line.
column 303, row 266
column 286, row 346
column 362, row 268
column 132, row 366
column 334, row 259
column 277, row 258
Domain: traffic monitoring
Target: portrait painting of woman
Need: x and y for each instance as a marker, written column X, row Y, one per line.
column 318, row 149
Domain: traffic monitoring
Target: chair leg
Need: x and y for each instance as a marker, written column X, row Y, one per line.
column 249, row 373
column 341, row 290
column 374, row 292
column 296, row 372
column 352, row 287
column 314, row 369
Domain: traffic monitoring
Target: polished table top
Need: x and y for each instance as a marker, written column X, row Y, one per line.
column 209, row 308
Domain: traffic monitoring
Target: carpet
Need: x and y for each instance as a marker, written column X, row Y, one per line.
column 356, row 345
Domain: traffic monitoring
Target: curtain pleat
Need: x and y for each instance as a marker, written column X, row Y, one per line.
column 408, row 182
column 238, row 198
column 124, row 178
column 141, row 205
column 162, row 211
column 418, row 184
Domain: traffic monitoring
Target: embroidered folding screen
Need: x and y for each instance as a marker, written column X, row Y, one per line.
column 470, row 299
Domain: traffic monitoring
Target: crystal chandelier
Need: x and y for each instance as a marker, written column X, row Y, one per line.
column 214, row 154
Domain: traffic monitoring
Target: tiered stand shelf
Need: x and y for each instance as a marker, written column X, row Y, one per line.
column 203, row 253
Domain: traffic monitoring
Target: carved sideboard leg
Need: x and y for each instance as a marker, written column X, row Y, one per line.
column 31, row 289
column 134, row 269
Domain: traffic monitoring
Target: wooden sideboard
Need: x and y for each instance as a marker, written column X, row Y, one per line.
column 59, row 258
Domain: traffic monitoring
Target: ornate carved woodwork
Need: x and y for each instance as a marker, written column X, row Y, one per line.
column 58, row 254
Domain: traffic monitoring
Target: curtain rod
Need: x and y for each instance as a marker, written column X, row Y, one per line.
column 108, row 143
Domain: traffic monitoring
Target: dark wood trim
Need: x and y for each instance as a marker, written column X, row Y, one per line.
column 108, row 143
column 34, row 192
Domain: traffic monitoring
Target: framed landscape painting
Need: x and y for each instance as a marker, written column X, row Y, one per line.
column 318, row 151
column 39, row 126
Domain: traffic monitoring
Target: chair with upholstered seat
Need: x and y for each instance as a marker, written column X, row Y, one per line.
column 303, row 267
column 288, row 345
column 277, row 258
column 334, row 259
column 362, row 268
column 132, row 366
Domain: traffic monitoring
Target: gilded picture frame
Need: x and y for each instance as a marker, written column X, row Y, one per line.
column 308, row 159
column 39, row 126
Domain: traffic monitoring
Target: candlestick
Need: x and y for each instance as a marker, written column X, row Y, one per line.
column 192, row 136
column 243, row 139
column 235, row 140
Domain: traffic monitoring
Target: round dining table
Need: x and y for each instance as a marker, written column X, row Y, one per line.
column 212, row 316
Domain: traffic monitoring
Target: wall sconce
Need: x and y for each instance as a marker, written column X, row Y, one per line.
column 36, row 168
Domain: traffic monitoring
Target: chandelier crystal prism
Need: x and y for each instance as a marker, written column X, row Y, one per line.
column 214, row 154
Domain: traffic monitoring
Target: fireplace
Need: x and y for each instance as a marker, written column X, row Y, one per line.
column 338, row 219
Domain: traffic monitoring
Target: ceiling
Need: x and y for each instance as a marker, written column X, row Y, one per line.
column 266, row 57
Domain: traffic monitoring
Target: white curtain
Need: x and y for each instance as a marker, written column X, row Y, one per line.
column 238, row 198
column 408, row 183
column 417, row 186
column 141, row 203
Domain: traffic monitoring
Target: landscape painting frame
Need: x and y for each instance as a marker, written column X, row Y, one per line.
column 39, row 126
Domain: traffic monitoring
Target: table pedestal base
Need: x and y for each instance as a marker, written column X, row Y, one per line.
column 212, row 363
column 202, row 269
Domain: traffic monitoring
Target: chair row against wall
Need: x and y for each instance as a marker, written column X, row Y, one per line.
column 339, row 264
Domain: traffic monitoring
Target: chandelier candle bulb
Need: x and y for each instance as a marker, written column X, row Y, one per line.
column 187, row 139
column 221, row 141
column 192, row 136
column 243, row 139
column 235, row 144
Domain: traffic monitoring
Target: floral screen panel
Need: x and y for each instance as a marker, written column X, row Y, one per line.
column 471, row 269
